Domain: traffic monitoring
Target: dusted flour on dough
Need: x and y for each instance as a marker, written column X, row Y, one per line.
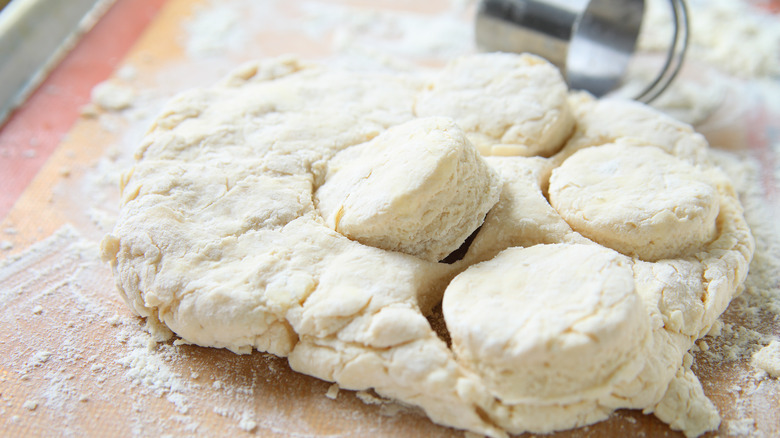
column 229, row 236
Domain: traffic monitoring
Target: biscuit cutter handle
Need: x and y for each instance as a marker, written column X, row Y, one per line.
column 590, row 41
column 675, row 56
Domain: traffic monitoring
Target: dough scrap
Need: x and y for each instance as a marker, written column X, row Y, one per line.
column 220, row 241
column 686, row 408
column 768, row 359
column 507, row 104
column 420, row 188
column 639, row 201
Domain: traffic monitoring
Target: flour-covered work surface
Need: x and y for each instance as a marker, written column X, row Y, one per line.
column 403, row 237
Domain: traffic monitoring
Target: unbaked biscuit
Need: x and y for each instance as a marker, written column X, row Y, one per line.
column 508, row 104
column 420, row 188
column 555, row 323
column 639, row 201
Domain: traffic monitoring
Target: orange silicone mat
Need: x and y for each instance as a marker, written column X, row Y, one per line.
column 75, row 361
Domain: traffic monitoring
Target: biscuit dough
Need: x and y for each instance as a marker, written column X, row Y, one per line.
column 419, row 188
column 225, row 238
column 508, row 104
column 637, row 200
column 519, row 319
column 606, row 120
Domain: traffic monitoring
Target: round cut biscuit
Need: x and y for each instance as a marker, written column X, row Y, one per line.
column 508, row 104
column 420, row 188
column 549, row 323
column 637, row 200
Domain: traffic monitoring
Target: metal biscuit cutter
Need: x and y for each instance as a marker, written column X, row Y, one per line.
column 590, row 41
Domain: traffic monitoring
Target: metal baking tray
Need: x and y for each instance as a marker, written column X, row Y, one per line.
column 34, row 36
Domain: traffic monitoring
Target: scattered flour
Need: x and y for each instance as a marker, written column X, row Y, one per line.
column 768, row 359
column 150, row 370
column 112, row 96
column 247, row 422
column 214, row 29
column 741, row 427
column 114, row 320
column 731, row 35
column 393, row 33
column 730, row 41
column 39, row 359
column 350, row 29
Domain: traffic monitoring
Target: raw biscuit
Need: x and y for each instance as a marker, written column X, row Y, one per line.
column 639, row 201
column 549, row 324
column 420, row 188
column 508, row 104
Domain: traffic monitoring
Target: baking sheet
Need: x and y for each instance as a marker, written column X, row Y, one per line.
column 34, row 36
column 75, row 361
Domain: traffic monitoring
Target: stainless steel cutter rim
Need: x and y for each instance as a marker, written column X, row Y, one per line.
column 522, row 26
column 674, row 56
column 601, row 43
